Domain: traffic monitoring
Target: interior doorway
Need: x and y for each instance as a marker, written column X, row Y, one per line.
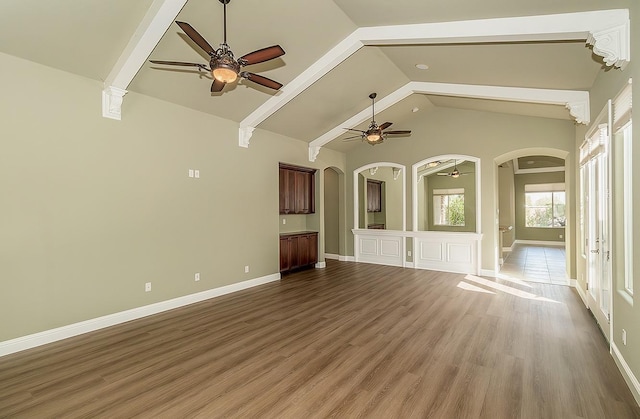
column 333, row 213
column 533, row 215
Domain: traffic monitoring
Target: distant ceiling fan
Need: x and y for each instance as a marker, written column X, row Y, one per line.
column 455, row 173
column 375, row 134
column 223, row 66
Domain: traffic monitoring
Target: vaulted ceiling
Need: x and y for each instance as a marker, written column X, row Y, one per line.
column 330, row 66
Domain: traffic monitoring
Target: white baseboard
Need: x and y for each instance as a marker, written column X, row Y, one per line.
column 488, row 272
column 321, row 265
column 540, row 242
column 339, row 257
column 507, row 249
column 629, row 377
column 53, row 335
column 582, row 293
column 411, row 265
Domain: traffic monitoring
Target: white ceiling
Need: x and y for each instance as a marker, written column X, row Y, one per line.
column 87, row 37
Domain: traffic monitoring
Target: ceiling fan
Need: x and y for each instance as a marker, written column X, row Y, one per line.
column 223, row 66
column 455, row 173
column 375, row 134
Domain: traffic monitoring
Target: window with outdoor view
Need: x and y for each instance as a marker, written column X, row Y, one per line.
column 448, row 207
column 545, row 205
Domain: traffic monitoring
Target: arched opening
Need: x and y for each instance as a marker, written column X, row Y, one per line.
column 533, row 206
column 334, row 216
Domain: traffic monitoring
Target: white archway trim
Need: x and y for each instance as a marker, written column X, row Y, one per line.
column 444, row 157
column 600, row 27
column 155, row 23
column 366, row 167
column 576, row 101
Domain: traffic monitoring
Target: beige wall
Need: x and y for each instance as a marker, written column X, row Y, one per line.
column 531, row 233
column 506, row 203
column 93, row 208
column 332, row 211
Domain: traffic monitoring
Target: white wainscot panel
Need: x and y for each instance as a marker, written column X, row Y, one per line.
column 430, row 251
column 383, row 247
column 448, row 252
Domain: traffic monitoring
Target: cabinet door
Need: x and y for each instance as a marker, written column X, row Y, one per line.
column 313, row 248
column 287, row 191
column 285, row 254
column 303, row 250
column 303, row 192
column 294, row 252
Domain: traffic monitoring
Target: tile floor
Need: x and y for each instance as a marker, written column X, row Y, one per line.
column 535, row 263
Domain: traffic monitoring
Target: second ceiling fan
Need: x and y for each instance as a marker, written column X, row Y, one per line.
column 375, row 134
column 223, row 66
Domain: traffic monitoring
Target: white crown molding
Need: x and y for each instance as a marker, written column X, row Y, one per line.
column 155, row 23
column 75, row 329
column 613, row 44
column 313, row 153
column 112, row 98
column 566, row 26
column 244, row 136
column 576, row 100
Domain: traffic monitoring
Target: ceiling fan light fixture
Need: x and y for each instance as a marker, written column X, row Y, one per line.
column 374, row 137
column 433, row 163
column 225, row 68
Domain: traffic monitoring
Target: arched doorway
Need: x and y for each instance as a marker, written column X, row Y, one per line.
column 534, row 201
column 334, row 213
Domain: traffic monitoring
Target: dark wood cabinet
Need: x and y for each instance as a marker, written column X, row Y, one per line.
column 298, row 250
column 374, row 195
column 297, row 189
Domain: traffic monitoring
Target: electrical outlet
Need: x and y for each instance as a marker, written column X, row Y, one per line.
column 284, row 221
column 191, row 174
column 246, row 269
column 560, row 236
column 196, row 174
column 624, row 337
column 197, row 276
column 409, row 253
column 147, row 287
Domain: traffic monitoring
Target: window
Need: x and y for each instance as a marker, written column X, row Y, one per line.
column 544, row 205
column 448, row 207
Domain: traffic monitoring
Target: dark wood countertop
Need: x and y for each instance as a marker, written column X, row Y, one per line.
column 295, row 233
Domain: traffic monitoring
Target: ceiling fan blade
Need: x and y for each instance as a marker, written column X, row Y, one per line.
column 262, row 55
column 196, row 37
column 385, row 125
column 217, row 86
column 256, row 78
column 357, row 130
column 397, row 132
column 177, row 63
column 443, row 174
column 350, row 139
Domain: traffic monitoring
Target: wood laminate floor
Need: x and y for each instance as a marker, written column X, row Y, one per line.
column 351, row 340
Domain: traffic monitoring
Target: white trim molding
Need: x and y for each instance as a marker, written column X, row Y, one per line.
column 577, row 101
column 155, row 23
column 540, row 243
column 629, row 377
column 604, row 28
column 112, row 98
column 64, row 332
column 321, row 265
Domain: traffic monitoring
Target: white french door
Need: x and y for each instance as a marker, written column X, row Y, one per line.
column 595, row 160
